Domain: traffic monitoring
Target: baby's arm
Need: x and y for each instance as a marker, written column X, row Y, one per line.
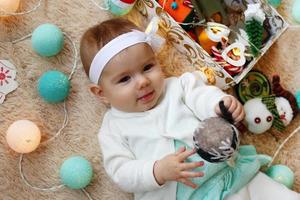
column 127, row 172
column 200, row 97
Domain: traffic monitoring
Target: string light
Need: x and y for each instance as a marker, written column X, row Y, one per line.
column 9, row 6
column 5, row 12
column 14, row 131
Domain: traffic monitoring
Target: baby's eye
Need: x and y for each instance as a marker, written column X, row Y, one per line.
column 124, row 79
column 148, row 67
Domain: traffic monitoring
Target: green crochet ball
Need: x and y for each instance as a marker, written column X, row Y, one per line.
column 76, row 172
column 53, row 86
column 295, row 10
column 298, row 98
column 282, row 174
column 275, row 3
column 47, row 40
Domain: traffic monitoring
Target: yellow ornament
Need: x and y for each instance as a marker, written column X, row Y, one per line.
column 9, row 6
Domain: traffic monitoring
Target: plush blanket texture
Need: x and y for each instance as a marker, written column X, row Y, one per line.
column 85, row 111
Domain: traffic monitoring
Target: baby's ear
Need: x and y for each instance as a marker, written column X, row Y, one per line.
column 98, row 92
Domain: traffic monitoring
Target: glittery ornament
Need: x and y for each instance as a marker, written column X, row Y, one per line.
column 216, row 140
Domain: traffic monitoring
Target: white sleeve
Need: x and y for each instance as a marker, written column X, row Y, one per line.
column 200, row 97
column 129, row 174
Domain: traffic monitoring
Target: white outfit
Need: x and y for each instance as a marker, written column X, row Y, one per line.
column 132, row 142
column 261, row 187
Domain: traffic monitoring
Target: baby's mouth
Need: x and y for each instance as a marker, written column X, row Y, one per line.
column 146, row 97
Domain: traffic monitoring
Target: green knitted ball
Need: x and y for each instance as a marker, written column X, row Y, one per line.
column 53, row 86
column 47, row 40
column 76, row 172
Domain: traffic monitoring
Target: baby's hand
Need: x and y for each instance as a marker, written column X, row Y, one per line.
column 173, row 168
column 234, row 107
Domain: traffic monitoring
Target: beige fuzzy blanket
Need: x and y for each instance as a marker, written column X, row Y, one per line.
column 85, row 112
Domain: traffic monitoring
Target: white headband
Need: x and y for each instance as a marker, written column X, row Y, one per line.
column 114, row 47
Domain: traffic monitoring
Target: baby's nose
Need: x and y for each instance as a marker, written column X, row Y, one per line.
column 143, row 81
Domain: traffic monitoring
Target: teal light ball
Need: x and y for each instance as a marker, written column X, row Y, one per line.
column 76, row 172
column 274, row 3
column 53, row 86
column 296, row 10
column 116, row 10
column 47, row 40
column 282, row 174
column 298, row 98
column 120, row 7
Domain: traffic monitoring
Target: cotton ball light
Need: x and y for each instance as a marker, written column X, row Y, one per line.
column 23, row 136
column 76, row 172
column 9, row 6
column 53, row 86
column 298, row 98
column 296, row 10
column 47, row 40
column 281, row 174
column 274, row 3
column 120, row 7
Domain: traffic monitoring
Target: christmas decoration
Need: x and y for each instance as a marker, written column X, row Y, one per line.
column 9, row 6
column 7, row 79
column 274, row 3
column 216, row 139
column 212, row 35
column 23, row 136
column 47, row 40
column 120, row 7
column 213, row 10
column 298, row 98
column 296, row 10
column 53, row 86
column 254, row 18
column 282, row 174
column 76, row 172
column 254, row 84
column 262, row 113
column 279, row 91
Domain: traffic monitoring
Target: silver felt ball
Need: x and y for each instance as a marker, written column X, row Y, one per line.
column 216, row 140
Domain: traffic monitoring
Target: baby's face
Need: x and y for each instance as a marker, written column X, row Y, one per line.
column 133, row 81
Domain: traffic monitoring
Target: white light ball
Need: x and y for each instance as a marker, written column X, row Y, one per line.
column 9, row 6
column 23, row 136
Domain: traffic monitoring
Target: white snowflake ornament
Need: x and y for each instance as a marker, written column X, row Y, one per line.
column 7, row 79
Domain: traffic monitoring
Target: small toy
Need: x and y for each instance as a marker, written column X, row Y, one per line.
column 212, row 35
column 258, row 118
column 279, row 91
column 216, row 139
column 235, row 5
column 213, row 10
column 180, row 11
column 254, row 84
column 262, row 113
column 254, row 18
